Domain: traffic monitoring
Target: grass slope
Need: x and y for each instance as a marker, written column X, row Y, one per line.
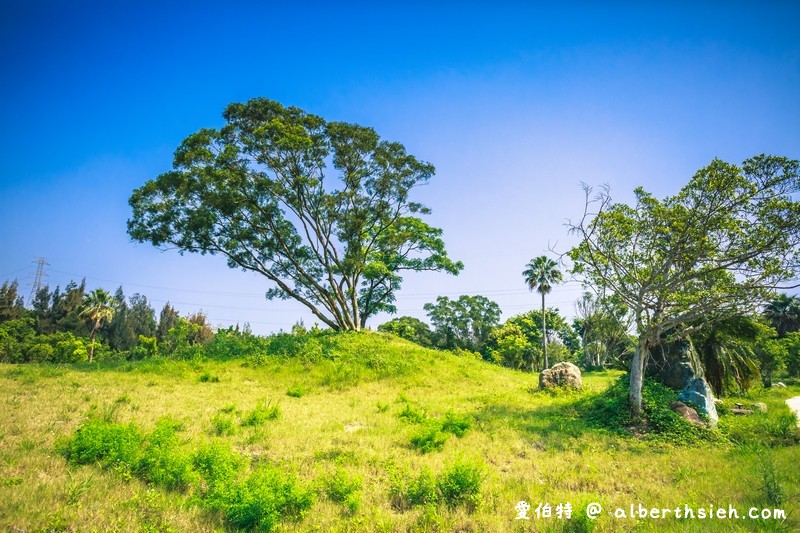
column 344, row 425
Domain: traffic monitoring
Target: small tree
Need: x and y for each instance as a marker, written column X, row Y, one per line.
column 542, row 273
column 98, row 308
column 717, row 248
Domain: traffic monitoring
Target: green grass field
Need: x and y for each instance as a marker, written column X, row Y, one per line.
column 377, row 433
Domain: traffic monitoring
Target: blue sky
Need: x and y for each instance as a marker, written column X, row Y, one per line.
column 515, row 104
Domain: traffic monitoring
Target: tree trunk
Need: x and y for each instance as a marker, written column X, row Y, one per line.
column 637, row 377
column 544, row 336
column 91, row 346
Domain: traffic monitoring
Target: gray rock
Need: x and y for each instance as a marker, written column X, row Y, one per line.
column 779, row 385
column 760, row 406
column 561, row 375
column 742, row 411
column 686, row 412
column 671, row 363
column 698, row 392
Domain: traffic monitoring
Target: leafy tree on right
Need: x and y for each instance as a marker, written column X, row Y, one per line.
column 716, row 249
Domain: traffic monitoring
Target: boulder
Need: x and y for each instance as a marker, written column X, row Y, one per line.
column 671, row 363
column 779, row 385
column 686, row 412
column 698, row 392
column 561, row 375
column 760, row 406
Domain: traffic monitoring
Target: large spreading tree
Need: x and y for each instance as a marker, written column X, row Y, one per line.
column 260, row 192
column 716, row 249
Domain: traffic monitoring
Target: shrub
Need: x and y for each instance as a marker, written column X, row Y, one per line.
column 222, row 424
column 429, row 437
column 296, row 392
column 460, row 484
column 415, row 415
column 456, row 424
column 343, row 488
column 40, row 353
column 406, row 491
column 218, row 465
column 162, row 462
column 107, row 443
column 260, row 501
column 207, row 377
column 262, row 413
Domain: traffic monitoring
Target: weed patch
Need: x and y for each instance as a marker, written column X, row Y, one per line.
column 429, row 437
column 262, row 413
column 343, row 488
column 459, row 485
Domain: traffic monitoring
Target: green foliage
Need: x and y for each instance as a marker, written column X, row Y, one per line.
column 12, row 305
column 223, row 423
column 262, row 413
column 456, row 424
column 297, row 391
column 412, row 414
column 207, row 377
column 783, row 314
column 261, row 500
column 409, row 328
column 343, row 488
column 718, row 246
column 771, row 488
column 218, row 465
column 109, row 443
column 518, row 342
column 232, row 343
column 727, row 352
column 792, row 358
column 186, row 339
column 429, row 437
column 161, row 462
column 406, row 491
column 463, row 323
column 146, row 347
column 255, row 192
column 460, row 484
column 610, row 410
column 777, row 427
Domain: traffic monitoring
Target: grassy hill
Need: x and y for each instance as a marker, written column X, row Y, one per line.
column 363, row 432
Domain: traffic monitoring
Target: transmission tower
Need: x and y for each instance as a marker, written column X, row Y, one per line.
column 41, row 262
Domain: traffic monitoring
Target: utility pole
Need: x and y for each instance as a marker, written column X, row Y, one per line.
column 41, row 262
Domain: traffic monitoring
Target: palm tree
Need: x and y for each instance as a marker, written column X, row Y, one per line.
column 542, row 273
column 98, row 307
column 783, row 314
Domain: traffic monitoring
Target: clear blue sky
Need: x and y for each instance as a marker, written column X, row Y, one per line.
column 514, row 104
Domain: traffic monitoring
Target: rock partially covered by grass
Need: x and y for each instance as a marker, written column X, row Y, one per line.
column 561, row 375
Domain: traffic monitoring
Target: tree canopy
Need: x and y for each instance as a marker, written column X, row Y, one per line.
column 258, row 192
column 717, row 248
column 465, row 322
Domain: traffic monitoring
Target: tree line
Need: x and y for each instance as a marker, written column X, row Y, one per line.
column 65, row 325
